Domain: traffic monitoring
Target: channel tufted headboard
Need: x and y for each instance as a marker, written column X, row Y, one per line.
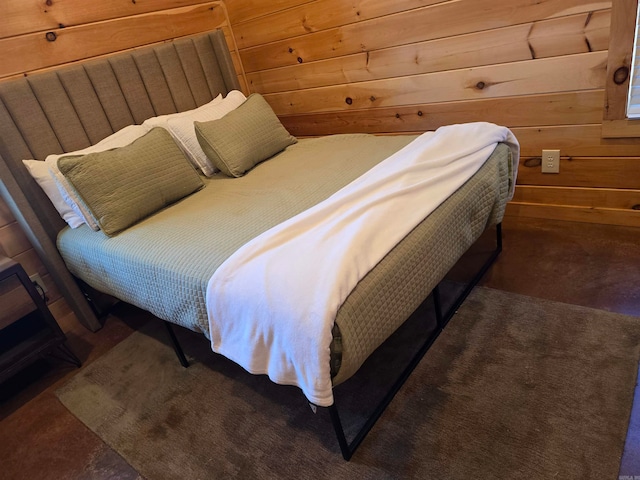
column 76, row 106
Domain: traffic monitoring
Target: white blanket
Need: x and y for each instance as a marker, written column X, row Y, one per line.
column 272, row 304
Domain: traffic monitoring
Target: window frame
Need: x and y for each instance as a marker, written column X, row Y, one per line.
column 615, row 123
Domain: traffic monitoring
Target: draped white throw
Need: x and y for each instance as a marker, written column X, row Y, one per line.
column 272, row 304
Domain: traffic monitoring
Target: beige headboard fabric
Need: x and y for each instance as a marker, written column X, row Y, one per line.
column 76, row 106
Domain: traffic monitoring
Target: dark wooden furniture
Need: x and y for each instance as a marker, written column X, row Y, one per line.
column 28, row 331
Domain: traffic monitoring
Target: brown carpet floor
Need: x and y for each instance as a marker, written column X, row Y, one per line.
column 515, row 387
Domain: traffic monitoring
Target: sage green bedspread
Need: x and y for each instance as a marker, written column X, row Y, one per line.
column 163, row 264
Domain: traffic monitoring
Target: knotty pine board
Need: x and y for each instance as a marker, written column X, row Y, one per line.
column 603, row 172
column 33, row 51
column 619, row 199
column 604, row 216
column 503, row 45
column 442, row 20
column 585, row 71
column 571, row 108
column 28, row 16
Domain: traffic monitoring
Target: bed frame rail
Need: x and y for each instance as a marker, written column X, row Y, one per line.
column 348, row 448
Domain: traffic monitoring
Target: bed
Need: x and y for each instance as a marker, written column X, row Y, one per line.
column 164, row 261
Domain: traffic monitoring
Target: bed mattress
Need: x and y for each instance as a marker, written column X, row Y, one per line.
column 163, row 264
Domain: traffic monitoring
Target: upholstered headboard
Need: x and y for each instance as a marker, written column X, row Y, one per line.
column 76, row 106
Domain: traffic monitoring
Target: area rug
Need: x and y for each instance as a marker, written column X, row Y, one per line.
column 514, row 387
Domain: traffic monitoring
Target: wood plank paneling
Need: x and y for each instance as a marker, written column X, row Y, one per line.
column 536, row 67
column 246, row 10
column 575, row 141
column 33, row 51
column 579, row 140
column 320, row 15
column 26, row 16
column 6, row 216
column 587, row 32
column 502, row 45
column 485, row 48
column 605, row 216
column 31, row 262
column 606, row 172
column 13, row 240
column 569, row 73
column 580, row 197
column 549, row 109
column 437, row 21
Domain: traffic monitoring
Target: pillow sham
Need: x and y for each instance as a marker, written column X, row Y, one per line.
column 244, row 137
column 119, row 139
column 161, row 120
column 41, row 174
column 122, row 186
column 180, row 125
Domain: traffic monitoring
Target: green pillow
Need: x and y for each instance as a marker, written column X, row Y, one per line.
column 244, row 137
column 125, row 185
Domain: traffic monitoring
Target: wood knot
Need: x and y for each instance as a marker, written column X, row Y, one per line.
column 349, row 100
column 299, row 59
column 397, row 115
column 372, row 98
column 636, row 207
column 48, row 3
column 290, row 50
column 480, row 85
column 620, row 75
column 533, row 162
column 419, row 113
column 51, row 36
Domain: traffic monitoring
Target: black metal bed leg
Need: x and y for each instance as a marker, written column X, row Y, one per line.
column 176, row 345
column 347, row 452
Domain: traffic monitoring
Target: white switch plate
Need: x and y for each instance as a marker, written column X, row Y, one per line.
column 550, row 161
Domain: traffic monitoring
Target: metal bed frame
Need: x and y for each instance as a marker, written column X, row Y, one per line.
column 348, row 448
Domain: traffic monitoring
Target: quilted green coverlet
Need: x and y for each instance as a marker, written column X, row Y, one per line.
column 163, row 264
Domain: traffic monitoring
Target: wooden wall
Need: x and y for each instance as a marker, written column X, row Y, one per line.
column 39, row 34
column 539, row 67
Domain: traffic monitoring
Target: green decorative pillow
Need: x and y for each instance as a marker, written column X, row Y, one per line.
column 125, row 185
column 244, row 137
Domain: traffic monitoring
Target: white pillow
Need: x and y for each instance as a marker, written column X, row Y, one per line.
column 181, row 126
column 40, row 172
column 161, row 120
column 120, row 138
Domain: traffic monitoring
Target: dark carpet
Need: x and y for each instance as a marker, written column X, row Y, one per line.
column 515, row 387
